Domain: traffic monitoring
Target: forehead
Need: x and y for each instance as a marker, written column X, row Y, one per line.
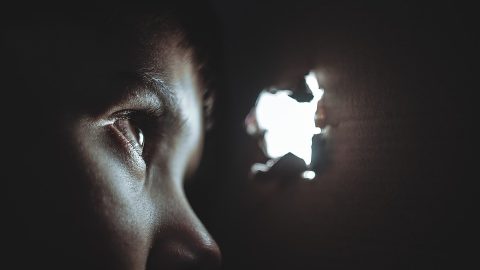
column 141, row 43
column 86, row 57
column 97, row 42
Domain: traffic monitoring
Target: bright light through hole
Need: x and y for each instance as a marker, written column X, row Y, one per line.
column 308, row 175
column 289, row 125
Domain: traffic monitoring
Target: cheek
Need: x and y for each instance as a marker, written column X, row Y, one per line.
column 194, row 136
column 189, row 142
column 120, row 210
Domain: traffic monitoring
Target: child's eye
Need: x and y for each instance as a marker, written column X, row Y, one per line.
column 133, row 136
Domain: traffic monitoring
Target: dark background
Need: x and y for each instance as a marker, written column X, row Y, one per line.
column 399, row 84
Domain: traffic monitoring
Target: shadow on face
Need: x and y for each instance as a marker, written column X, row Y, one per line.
column 111, row 125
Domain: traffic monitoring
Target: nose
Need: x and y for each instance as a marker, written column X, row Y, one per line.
column 182, row 242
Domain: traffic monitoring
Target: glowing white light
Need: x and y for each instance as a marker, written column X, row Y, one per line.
column 308, row 175
column 311, row 81
column 289, row 125
column 259, row 167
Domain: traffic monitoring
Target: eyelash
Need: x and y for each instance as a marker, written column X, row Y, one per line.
column 144, row 120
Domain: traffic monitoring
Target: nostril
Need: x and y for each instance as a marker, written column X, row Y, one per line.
column 181, row 241
column 185, row 253
column 208, row 256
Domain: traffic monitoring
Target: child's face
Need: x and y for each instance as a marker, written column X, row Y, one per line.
column 124, row 142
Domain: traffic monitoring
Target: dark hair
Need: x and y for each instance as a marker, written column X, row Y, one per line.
column 198, row 27
column 36, row 39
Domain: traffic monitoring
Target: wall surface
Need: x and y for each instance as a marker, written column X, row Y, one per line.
column 398, row 80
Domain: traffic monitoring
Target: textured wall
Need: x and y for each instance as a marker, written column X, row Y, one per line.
column 398, row 79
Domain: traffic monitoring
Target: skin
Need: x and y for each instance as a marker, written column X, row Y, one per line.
column 93, row 197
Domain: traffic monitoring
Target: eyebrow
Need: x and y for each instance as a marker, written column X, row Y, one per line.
column 135, row 83
column 138, row 91
column 153, row 83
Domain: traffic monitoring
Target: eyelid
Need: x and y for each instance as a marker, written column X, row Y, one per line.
column 137, row 159
column 146, row 119
column 138, row 100
column 125, row 136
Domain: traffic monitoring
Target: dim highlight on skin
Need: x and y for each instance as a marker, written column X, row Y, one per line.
column 119, row 146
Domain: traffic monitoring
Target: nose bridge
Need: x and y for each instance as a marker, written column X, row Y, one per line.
column 181, row 241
